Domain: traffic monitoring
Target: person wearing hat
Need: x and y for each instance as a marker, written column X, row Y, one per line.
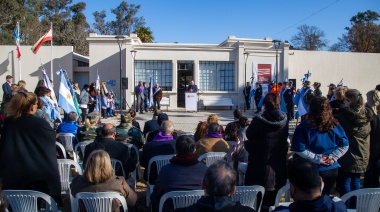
column 90, row 130
column 129, row 133
column 257, row 96
column 317, row 90
column 330, row 93
column 7, row 85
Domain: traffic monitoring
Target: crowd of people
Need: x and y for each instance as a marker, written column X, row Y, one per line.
column 334, row 146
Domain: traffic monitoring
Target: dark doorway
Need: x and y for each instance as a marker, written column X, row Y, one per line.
column 185, row 75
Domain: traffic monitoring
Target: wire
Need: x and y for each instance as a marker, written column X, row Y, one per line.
column 306, row 18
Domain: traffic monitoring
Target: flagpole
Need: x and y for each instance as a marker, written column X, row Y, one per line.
column 19, row 59
column 51, row 62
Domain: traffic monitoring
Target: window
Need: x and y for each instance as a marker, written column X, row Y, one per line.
column 216, row 76
column 161, row 70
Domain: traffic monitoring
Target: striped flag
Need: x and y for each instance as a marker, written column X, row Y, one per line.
column 55, row 113
column 48, row 36
column 150, row 91
column 65, row 100
column 16, row 34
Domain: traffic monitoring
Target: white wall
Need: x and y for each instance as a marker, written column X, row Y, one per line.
column 31, row 63
column 358, row 70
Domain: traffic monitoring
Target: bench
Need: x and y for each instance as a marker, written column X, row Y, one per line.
column 165, row 101
column 218, row 102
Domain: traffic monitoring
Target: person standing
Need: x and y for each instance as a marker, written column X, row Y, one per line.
column 84, row 99
column 139, row 93
column 7, row 85
column 146, row 97
column 76, row 89
column 246, row 92
column 157, row 96
column 330, row 92
column 192, row 87
column 302, row 100
column 288, row 98
column 257, row 96
column 317, row 90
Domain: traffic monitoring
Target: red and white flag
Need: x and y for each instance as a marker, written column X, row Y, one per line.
column 48, row 36
column 16, row 34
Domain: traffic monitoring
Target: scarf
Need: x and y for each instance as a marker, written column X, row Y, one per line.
column 184, row 160
column 160, row 137
column 214, row 135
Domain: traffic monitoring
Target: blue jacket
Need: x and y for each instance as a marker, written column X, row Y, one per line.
column 321, row 204
column 328, row 143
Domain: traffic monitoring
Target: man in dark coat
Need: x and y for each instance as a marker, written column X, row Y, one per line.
column 305, row 189
column 192, row 87
column 246, row 92
column 219, row 183
column 184, row 172
column 162, row 144
column 115, row 149
column 139, row 93
column 151, row 125
column 7, row 86
column 288, row 98
column 257, row 96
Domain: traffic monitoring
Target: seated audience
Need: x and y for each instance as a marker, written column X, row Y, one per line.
column 90, row 130
column 161, row 118
column 212, row 142
column 40, row 113
column 184, row 172
column 70, row 126
column 128, row 133
column 115, row 149
column 236, row 153
column 134, row 122
column 200, row 131
column 305, row 189
column 162, row 144
column 151, row 125
column 98, row 176
column 244, row 123
column 219, row 184
column 28, row 153
column 213, row 118
column 237, row 115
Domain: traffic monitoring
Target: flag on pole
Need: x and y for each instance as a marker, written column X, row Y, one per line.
column 253, row 82
column 55, row 113
column 65, row 100
column 48, row 36
column 97, row 88
column 150, row 91
column 17, row 39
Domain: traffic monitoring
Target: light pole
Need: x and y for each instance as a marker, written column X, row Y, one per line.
column 120, row 40
column 133, row 54
column 246, row 54
column 276, row 44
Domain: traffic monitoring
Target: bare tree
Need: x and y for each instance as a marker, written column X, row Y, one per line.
column 309, row 38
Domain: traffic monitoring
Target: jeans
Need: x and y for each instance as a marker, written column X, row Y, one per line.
column 156, row 101
column 84, row 114
column 110, row 112
column 146, row 104
column 349, row 182
column 329, row 179
column 371, row 176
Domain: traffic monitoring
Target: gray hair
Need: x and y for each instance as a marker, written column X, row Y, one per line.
column 219, row 179
column 167, row 127
column 213, row 127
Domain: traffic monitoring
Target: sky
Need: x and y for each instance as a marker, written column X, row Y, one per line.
column 212, row 21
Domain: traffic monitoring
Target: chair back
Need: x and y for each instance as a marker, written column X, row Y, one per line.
column 131, row 148
column 211, row 157
column 285, row 189
column 81, row 146
column 61, row 148
column 160, row 161
column 26, row 200
column 247, row 195
column 242, row 168
column 100, row 201
column 367, row 199
column 181, row 199
column 66, row 139
column 117, row 165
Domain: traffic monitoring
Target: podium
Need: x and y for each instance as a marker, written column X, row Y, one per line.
column 191, row 101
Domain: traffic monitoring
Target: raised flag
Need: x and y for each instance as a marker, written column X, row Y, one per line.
column 150, row 91
column 48, row 36
column 55, row 113
column 253, row 82
column 65, row 98
column 16, row 34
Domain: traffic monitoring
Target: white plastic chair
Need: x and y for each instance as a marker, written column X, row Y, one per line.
column 26, row 200
column 284, row 190
column 181, row 199
column 62, row 148
column 247, row 195
column 65, row 175
column 100, row 201
column 367, row 199
column 114, row 163
column 160, row 161
column 79, row 148
column 242, row 168
column 134, row 148
column 211, row 157
column 66, row 139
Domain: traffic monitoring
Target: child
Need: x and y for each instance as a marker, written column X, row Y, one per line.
column 110, row 105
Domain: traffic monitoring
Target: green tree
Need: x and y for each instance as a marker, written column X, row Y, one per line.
column 309, row 38
column 145, row 34
column 10, row 12
column 364, row 33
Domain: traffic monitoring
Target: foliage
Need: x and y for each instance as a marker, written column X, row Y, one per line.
column 309, row 38
column 145, row 34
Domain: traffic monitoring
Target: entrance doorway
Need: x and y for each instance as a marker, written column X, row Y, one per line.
column 185, row 75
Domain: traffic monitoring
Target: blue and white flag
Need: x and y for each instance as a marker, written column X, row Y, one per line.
column 55, row 113
column 97, row 87
column 150, row 91
column 253, row 82
column 65, row 100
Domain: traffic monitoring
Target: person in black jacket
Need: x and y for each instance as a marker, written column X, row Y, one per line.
column 288, row 98
column 257, row 96
column 246, row 92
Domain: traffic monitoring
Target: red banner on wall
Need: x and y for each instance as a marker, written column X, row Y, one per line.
column 264, row 73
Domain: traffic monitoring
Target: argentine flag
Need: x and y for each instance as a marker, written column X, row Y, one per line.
column 65, row 100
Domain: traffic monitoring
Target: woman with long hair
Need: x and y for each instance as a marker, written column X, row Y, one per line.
column 338, row 102
column 371, row 176
column 321, row 140
column 90, row 130
column 22, row 85
column 200, row 131
column 98, row 176
column 267, row 147
column 355, row 120
column 27, row 149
